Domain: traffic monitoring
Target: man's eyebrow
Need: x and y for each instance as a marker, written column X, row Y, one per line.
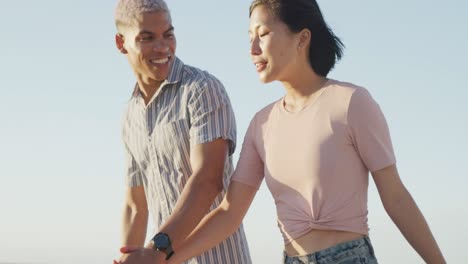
column 171, row 28
column 146, row 32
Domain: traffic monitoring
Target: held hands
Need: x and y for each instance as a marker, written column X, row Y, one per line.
column 140, row 255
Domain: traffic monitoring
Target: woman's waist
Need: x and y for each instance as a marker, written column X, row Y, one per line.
column 316, row 240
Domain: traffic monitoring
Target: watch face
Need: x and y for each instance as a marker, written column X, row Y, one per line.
column 161, row 241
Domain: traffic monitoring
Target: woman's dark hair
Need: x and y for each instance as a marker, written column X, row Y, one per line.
column 325, row 48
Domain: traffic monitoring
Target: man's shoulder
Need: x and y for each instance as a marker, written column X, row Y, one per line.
column 129, row 109
column 131, row 102
column 195, row 75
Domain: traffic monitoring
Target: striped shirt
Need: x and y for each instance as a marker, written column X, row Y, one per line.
column 191, row 107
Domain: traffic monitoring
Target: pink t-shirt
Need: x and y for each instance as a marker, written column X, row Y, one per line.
column 316, row 162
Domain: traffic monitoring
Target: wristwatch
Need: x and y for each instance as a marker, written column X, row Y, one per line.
column 161, row 242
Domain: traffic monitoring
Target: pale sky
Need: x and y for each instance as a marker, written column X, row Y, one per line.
column 64, row 87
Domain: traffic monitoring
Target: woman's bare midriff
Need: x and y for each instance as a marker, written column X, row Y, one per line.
column 317, row 240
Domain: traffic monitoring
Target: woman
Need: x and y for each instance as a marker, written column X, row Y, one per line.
column 315, row 148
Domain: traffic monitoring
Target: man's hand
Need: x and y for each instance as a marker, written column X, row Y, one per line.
column 140, row 255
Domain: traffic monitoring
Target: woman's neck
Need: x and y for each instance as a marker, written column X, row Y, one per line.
column 302, row 89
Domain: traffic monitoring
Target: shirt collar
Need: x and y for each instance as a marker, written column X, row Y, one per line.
column 174, row 76
column 175, row 73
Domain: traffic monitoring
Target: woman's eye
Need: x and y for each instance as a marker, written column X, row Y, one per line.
column 264, row 34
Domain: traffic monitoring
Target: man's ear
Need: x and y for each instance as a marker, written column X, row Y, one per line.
column 119, row 42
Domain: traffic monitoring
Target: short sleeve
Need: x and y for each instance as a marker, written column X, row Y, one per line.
column 250, row 167
column 134, row 176
column 211, row 115
column 369, row 131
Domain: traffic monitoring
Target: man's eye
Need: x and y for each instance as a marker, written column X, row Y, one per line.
column 146, row 38
column 264, row 34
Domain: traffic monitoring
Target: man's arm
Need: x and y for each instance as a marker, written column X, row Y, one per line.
column 135, row 217
column 205, row 183
column 404, row 212
column 212, row 137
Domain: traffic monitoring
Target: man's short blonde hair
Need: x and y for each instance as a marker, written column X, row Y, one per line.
column 127, row 11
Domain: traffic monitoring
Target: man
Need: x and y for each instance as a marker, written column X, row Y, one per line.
column 179, row 134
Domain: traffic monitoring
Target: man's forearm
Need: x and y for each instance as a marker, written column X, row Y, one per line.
column 192, row 206
column 134, row 227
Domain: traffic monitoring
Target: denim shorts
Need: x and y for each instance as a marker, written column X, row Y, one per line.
column 359, row 251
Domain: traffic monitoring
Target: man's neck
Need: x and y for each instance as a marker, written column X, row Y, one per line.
column 148, row 89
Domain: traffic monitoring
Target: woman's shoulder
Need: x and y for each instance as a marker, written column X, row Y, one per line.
column 344, row 94
column 266, row 111
column 346, row 89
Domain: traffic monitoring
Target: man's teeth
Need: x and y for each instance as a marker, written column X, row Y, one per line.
column 160, row 61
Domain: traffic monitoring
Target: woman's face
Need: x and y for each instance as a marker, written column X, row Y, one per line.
column 273, row 47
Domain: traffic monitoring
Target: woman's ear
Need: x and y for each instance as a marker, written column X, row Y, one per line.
column 304, row 38
column 119, row 42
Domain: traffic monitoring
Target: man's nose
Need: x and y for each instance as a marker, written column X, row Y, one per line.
column 160, row 46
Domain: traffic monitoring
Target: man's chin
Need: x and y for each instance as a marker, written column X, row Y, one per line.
column 265, row 80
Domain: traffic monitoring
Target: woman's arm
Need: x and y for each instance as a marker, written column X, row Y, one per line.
column 404, row 212
column 217, row 225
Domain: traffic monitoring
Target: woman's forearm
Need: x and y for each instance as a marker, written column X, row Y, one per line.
column 218, row 224
column 409, row 219
column 212, row 230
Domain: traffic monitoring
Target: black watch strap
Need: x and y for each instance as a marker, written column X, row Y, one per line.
column 169, row 254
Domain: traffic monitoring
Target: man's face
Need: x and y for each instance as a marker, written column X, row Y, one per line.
column 149, row 45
